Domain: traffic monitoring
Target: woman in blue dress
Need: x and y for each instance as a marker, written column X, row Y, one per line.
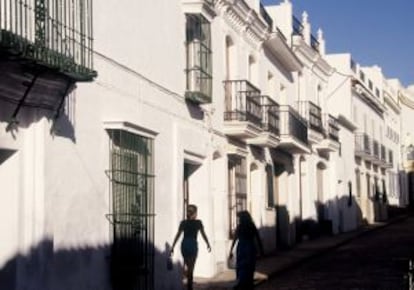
column 189, row 247
column 246, row 235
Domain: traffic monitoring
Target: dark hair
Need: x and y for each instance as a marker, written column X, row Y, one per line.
column 244, row 217
column 191, row 210
column 246, row 227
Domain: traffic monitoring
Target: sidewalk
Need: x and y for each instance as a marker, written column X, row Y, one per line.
column 275, row 264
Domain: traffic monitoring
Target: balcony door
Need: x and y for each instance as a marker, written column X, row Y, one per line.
column 320, row 180
column 237, row 189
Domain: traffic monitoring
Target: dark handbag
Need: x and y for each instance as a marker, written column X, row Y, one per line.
column 231, row 262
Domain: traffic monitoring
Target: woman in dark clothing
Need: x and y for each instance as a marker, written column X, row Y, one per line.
column 189, row 248
column 246, row 234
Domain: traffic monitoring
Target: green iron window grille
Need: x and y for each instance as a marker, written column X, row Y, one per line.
column 53, row 33
column 237, row 174
column 132, row 193
column 199, row 60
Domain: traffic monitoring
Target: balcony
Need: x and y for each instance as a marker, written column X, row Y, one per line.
column 331, row 141
column 313, row 115
column 243, row 110
column 314, row 43
column 199, row 59
column 390, row 162
column 297, row 26
column 55, row 36
column 270, row 135
column 383, row 157
column 363, row 146
column 293, row 131
column 376, row 153
column 266, row 16
column 45, row 49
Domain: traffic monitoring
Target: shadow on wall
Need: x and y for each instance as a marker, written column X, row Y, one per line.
column 334, row 216
column 86, row 268
column 194, row 110
column 61, row 116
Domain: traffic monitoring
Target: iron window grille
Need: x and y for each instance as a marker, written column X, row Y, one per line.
column 270, row 187
column 132, row 217
column 199, row 59
column 237, row 183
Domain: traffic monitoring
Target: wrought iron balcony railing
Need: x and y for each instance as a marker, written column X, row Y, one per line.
column 383, row 154
column 52, row 33
column 314, row 43
column 332, row 127
column 297, row 26
column 266, row 16
column 271, row 119
column 312, row 113
column 242, row 102
column 293, row 124
column 390, row 157
column 376, row 149
column 363, row 144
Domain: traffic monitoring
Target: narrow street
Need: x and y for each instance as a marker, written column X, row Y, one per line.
column 376, row 260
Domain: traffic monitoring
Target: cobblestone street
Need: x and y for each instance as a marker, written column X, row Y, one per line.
column 376, row 260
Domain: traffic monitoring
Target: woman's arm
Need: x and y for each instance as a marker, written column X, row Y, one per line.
column 259, row 241
column 180, row 230
column 203, row 234
column 232, row 244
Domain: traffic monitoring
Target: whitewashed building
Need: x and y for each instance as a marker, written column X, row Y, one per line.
column 107, row 134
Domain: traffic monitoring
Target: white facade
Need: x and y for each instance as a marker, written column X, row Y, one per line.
column 275, row 137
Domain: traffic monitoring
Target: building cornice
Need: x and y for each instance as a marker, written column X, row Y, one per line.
column 310, row 57
column 244, row 20
column 204, row 7
column 277, row 46
column 389, row 100
column 365, row 95
column 406, row 100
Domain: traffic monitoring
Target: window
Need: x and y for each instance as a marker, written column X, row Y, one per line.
column 131, row 180
column 270, row 191
column 237, row 188
column 199, row 61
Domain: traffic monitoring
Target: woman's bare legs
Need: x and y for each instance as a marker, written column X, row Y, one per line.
column 190, row 263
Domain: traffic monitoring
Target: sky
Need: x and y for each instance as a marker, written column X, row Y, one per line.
column 375, row 32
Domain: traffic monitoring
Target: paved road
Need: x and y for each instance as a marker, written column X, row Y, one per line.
column 376, row 260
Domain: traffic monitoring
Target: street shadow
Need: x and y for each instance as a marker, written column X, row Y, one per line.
column 90, row 267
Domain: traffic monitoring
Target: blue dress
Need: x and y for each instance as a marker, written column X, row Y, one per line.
column 189, row 246
column 246, row 256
